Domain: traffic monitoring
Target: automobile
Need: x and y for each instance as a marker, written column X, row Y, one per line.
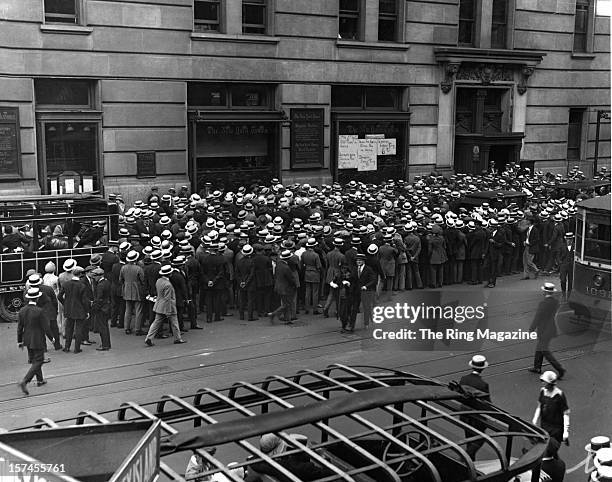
column 497, row 199
column 349, row 423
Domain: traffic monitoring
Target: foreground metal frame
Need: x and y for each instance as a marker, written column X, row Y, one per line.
column 422, row 430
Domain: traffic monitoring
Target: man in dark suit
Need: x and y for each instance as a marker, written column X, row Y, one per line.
column 544, row 325
column 285, row 284
column 413, row 251
column 532, row 247
column 245, row 282
column 365, row 291
column 498, row 241
column 48, row 303
column 476, row 250
column 264, row 281
column 215, row 277
column 90, row 285
column 474, row 380
column 31, row 330
column 101, row 308
column 566, row 265
column 73, row 295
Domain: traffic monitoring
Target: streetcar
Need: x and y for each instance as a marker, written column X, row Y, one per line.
column 342, row 423
column 590, row 296
column 585, row 187
column 38, row 229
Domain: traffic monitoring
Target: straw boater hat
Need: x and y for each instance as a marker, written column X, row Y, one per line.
column 132, row 256
column 548, row 288
column 478, row 362
column 69, row 264
column 165, row 270
column 286, row 254
column 247, row 250
column 33, row 293
column 549, row 377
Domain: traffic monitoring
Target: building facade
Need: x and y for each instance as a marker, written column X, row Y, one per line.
column 117, row 95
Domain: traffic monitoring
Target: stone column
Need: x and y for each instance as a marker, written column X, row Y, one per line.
column 445, row 151
column 232, row 20
column 370, row 21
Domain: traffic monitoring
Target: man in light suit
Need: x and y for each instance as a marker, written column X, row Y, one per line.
column 131, row 279
column 164, row 307
column 31, row 330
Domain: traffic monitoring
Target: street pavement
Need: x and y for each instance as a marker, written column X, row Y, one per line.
column 233, row 350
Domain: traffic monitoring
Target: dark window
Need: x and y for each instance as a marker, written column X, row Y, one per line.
column 206, row 95
column 580, row 25
column 249, row 95
column 64, row 92
column 499, row 24
column 347, row 96
column 207, row 16
column 254, row 16
column 71, row 154
column 238, row 96
column 381, row 97
column 356, row 97
column 387, row 20
column 467, row 17
column 574, row 134
column 61, row 11
column 348, row 20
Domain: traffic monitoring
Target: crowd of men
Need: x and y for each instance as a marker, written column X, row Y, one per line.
column 279, row 251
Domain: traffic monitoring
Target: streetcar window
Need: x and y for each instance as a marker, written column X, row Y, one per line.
column 52, row 234
column 16, row 237
column 93, row 231
column 597, row 243
column 578, row 247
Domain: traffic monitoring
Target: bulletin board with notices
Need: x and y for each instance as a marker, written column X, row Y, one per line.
column 369, row 151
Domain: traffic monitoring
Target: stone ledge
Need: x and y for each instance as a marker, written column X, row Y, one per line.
column 355, row 44
column 583, row 55
column 66, row 29
column 221, row 37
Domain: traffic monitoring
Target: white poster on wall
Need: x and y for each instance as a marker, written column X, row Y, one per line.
column 69, row 186
column 347, row 151
column 366, row 156
column 386, row 147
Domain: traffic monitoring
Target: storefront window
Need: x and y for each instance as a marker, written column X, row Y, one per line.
column 388, row 166
column 233, row 155
column 71, row 157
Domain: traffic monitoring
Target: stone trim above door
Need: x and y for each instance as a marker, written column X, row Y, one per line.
column 486, row 66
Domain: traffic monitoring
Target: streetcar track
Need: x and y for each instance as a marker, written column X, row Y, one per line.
column 271, row 356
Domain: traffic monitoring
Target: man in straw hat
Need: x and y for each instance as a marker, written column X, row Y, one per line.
column 566, row 265
column 31, row 330
column 544, row 324
column 164, row 307
column 478, row 363
column 285, row 284
column 73, row 295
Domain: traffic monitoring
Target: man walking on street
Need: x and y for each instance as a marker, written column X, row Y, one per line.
column 478, row 363
column 48, row 303
column 544, row 324
column 164, row 307
column 31, row 330
column 566, row 266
